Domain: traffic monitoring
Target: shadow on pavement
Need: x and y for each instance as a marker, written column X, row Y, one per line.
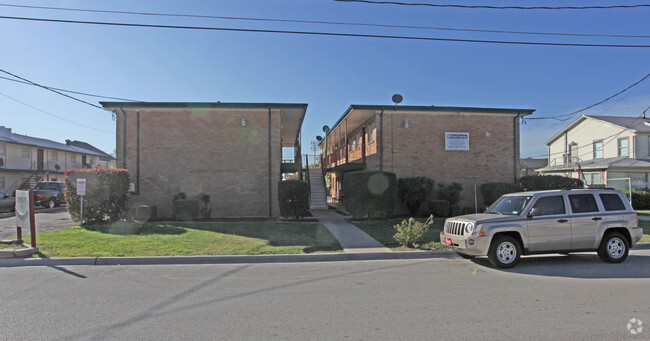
column 577, row 265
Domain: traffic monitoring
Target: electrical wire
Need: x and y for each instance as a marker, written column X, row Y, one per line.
column 492, row 7
column 323, row 22
column 71, row 91
column 315, row 33
column 53, row 115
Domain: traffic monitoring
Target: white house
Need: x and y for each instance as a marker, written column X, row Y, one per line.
column 602, row 150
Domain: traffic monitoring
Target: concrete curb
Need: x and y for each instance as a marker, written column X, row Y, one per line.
column 189, row 260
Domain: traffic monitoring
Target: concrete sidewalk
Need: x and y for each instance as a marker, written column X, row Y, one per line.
column 351, row 238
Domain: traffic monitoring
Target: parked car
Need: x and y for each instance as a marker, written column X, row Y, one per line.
column 7, row 202
column 559, row 221
column 49, row 193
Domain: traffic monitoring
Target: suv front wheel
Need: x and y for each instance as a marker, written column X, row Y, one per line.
column 614, row 248
column 504, row 252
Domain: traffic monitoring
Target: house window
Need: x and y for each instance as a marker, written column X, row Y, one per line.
column 371, row 133
column 25, row 153
column 54, row 156
column 359, row 141
column 598, row 149
column 592, row 178
column 624, row 147
column 573, row 153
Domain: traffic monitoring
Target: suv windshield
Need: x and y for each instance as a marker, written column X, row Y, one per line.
column 509, row 205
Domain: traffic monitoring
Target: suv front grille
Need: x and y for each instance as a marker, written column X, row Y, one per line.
column 455, row 227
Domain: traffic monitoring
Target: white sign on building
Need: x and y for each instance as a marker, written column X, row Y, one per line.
column 456, row 141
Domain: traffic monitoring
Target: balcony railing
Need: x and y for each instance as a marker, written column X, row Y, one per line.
column 18, row 163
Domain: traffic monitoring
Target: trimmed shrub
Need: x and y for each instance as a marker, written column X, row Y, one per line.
column 106, row 194
column 440, row 208
column 414, row 191
column 185, row 209
column 492, row 191
column 294, row 198
column 455, row 211
column 410, row 231
column 450, row 192
column 546, row 182
column 640, row 199
column 369, row 193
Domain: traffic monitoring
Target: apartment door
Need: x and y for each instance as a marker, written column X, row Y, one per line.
column 39, row 159
column 83, row 161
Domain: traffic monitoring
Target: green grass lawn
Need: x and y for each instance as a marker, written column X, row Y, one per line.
column 383, row 231
column 185, row 239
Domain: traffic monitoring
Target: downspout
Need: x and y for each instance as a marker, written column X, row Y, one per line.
column 137, row 153
column 123, row 138
column 515, row 151
column 381, row 140
column 270, row 170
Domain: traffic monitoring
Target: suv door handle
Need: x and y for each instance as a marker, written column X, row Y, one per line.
column 562, row 221
column 596, row 218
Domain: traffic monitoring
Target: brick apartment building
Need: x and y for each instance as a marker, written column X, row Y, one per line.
column 231, row 151
column 470, row 146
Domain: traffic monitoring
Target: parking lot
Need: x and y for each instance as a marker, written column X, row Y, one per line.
column 47, row 219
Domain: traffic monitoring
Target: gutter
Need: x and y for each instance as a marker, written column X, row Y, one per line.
column 515, row 151
column 123, row 138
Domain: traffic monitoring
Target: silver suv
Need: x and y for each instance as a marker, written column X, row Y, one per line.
column 560, row 221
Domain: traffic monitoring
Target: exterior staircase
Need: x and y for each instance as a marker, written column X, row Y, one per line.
column 33, row 180
column 318, row 196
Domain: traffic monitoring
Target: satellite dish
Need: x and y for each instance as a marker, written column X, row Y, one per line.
column 397, row 99
column 57, row 167
column 319, row 138
column 326, row 128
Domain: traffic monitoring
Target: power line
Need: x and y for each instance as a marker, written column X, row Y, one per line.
column 568, row 116
column 59, row 117
column 324, row 22
column 72, row 92
column 492, row 7
column 314, row 33
column 58, row 92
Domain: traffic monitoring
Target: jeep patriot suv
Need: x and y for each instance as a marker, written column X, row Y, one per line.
column 559, row 221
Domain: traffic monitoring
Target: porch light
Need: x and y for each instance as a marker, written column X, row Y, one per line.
column 406, row 123
column 243, row 122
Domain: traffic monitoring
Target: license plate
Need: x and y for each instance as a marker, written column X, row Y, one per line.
column 448, row 241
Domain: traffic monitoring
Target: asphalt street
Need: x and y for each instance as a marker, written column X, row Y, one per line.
column 548, row 297
column 47, row 219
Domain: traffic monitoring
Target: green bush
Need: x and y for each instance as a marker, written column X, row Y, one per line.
column 641, row 199
column 185, row 209
column 106, row 194
column 369, row 193
column 546, row 182
column 414, row 191
column 294, row 198
column 440, row 208
column 492, row 191
column 455, row 211
column 450, row 192
column 410, row 231
column 142, row 213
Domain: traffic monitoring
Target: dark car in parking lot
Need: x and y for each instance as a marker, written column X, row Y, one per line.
column 49, row 193
column 7, row 202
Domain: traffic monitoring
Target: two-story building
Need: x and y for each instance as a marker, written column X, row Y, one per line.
column 25, row 160
column 466, row 145
column 234, row 152
column 602, row 150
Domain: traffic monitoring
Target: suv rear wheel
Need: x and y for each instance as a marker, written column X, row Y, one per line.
column 613, row 248
column 504, row 252
column 51, row 203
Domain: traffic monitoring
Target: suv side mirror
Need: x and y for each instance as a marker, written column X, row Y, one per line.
column 535, row 211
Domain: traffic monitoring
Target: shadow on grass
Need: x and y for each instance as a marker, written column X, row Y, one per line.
column 127, row 228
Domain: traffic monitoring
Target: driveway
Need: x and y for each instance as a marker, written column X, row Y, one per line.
column 47, row 219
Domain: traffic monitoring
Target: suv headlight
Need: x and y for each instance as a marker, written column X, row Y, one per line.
column 469, row 228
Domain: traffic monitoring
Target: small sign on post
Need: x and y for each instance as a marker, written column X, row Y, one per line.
column 81, row 191
column 25, row 215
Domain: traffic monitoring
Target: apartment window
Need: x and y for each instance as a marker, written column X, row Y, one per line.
column 573, row 153
column 54, row 155
column 624, row 147
column 2, row 182
column 2, row 148
column 598, row 149
column 371, row 133
column 25, row 152
column 73, row 157
column 592, row 178
column 359, row 141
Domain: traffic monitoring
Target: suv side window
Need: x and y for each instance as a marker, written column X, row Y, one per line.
column 583, row 203
column 612, row 202
column 550, row 205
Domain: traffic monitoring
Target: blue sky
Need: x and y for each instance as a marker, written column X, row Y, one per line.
column 329, row 73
